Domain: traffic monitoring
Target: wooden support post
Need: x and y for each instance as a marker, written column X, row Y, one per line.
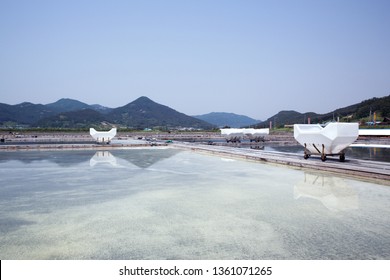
column 323, row 156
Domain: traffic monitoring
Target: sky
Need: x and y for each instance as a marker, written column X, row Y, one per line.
column 247, row 57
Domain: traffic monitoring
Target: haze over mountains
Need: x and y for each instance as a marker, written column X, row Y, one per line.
column 222, row 119
column 145, row 113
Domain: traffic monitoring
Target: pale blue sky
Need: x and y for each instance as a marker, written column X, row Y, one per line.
column 247, row 57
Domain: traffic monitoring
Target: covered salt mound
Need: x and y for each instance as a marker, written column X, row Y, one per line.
column 102, row 136
column 236, row 134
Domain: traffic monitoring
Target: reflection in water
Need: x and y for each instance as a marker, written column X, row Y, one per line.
column 369, row 153
column 257, row 147
column 365, row 153
column 174, row 204
column 144, row 158
column 62, row 158
column 332, row 192
column 104, row 157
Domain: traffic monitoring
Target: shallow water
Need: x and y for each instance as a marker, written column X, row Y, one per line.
column 365, row 153
column 356, row 152
column 162, row 203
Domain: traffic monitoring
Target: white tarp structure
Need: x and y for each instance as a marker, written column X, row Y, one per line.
column 329, row 140
column 236, row 134
column 374, row 132
column 102, row 136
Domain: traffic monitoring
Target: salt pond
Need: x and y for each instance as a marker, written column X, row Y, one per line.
column 164, row 203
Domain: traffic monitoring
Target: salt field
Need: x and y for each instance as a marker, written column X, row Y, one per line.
column 167, row 203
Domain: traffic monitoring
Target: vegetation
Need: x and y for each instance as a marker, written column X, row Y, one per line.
column 144, row 113
column 67, row 113
column 362, row 112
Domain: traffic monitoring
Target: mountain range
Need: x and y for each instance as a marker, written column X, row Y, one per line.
column 145, row 113
column 68, row 113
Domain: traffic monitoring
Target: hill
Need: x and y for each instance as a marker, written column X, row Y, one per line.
column 25, row 113
column 75, row 119
column 356, row 112
column 222, row 119
column 143, row 112
column 67, row 105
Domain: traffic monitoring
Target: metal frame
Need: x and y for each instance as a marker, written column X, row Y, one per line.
column 322, row 153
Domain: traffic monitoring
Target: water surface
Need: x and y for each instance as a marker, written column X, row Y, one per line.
column 163, row 203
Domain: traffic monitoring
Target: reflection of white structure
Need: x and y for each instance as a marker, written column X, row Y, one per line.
column 236, row 134
column 332, row 192
column 329, row 140
column 102, row 157
column 102, row 136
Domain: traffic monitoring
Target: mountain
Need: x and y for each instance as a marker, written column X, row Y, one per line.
column 74, row 119
column 67, row 105
column 69, row 113
column 143, row 112
column 288, row 117
column 222, row 119
column 25, row 113
column 356, row 112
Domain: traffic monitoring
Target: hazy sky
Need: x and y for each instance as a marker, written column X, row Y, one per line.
column 247, row 57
